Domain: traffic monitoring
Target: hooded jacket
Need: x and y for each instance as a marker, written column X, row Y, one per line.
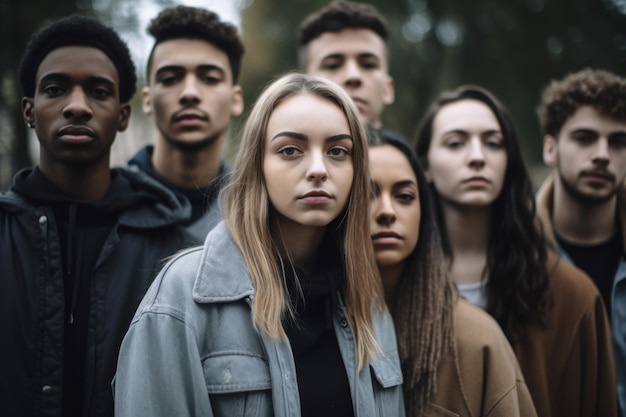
column 205, row 210
column 49, row 242
column 545, row 209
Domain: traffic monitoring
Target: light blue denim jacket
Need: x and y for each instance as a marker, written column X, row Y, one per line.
column 192, row 348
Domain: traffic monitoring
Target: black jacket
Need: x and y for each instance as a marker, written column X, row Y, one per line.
column 115, row 246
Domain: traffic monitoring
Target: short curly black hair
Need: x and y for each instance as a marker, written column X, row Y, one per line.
column 602, row 90
column 77, row 30
column 196, row 23
column 337, row 16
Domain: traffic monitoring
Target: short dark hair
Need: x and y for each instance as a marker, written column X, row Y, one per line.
column 340, row 15
column 602, row 90
column 77, row 30
column 196, row 23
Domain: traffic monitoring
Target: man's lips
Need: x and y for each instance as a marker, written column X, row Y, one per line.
column 190, row 115
column 603, row 176
column 359, row 101
column 76, row 134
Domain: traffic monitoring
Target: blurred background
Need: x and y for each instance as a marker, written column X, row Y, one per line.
column 512, row 47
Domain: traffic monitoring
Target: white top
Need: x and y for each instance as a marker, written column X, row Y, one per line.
column 475, row 293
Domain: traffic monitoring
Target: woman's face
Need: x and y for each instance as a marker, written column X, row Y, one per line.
column 395, row 206
column 467, row 159
column 307, row 163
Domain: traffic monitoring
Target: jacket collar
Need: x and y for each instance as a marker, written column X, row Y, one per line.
column 223, row 275
column 545, row 208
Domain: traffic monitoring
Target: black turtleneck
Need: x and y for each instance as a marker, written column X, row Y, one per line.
column 322, row 381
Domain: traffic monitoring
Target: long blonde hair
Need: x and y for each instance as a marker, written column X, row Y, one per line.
column 247, row 213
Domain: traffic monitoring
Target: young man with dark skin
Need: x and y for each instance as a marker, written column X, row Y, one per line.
column 582, row 204
column 79, row 242
column 346, row 42
column 192, row 93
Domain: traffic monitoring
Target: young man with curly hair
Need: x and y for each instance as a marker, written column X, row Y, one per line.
column 346, row 42
column 192, row 93
column 582, row 204
column 79, row 242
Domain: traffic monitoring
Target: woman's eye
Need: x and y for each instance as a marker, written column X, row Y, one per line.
column 339, row 151
column 289, row 151
column 407, row 198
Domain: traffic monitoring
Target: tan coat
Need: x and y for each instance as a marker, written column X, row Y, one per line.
column 569, row 366
column 484, row 380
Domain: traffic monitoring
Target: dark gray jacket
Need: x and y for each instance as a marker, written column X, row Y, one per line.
column 32, row 304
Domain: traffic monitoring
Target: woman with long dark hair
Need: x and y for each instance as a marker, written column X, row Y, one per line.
column 498, row 257
column 454, row 355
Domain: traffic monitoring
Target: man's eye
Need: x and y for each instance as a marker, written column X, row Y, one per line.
column 584, row 138
column 331, row 66
column 53, row 90
column 168, row 79
column 101, row 93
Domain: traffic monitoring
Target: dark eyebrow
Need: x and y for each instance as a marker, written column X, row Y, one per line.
column 180, row 68
column 455, row 131
column 584, row 130
column 404, row 183
column 59, row 77
column 300, row 136
column 210, row 67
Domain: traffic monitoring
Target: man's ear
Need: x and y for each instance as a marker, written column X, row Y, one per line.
column 237, row 105
column 550, row 151
column 28, row 110
column 146, row 103
column 124, row 117
column 390, row 91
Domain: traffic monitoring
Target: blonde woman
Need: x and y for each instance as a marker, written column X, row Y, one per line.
column 281, row 312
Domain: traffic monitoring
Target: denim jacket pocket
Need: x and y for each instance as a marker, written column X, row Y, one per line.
column 387, row 386
column 238, row 384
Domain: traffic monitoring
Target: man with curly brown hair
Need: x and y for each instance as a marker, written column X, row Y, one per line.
column 192, row 93
column 582, row 204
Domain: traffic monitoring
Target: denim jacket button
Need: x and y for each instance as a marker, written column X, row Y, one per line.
column 344, row 323
column 46, row 389
column 43, row 220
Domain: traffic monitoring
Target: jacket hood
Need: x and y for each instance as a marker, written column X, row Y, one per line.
column 140, row 201
column 545, row 208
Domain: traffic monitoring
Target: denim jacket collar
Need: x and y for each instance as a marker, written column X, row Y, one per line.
column 222, row 275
